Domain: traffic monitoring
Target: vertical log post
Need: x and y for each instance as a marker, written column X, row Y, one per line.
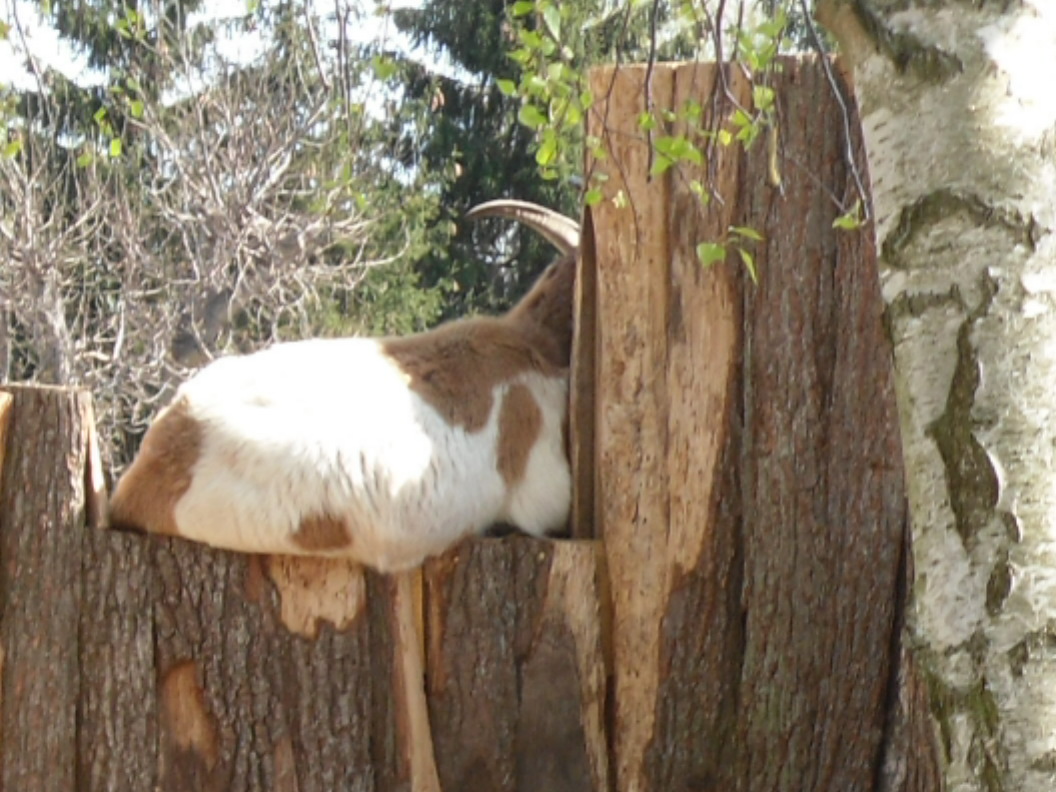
column 40, row 594
column 132, row 662
column 665, row 405
column 748, row 466
column 516, row 675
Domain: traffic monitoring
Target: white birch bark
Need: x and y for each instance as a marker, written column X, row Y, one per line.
column 958, row 104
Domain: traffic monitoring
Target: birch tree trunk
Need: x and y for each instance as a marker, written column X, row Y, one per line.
column 959, row 114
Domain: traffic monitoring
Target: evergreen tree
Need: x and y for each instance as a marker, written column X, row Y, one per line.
column 488, row 154
column 183, row 201
column 479, row 131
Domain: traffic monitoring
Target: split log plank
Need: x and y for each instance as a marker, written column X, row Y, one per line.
column 750, row 495
column 823, row 487
column 516, row 674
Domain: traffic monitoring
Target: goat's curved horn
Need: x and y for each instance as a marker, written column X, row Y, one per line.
column 560, row 231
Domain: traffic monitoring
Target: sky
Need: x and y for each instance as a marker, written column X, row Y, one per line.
column 45, row 45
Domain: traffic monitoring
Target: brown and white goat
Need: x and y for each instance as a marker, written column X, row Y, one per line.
column 385, row 450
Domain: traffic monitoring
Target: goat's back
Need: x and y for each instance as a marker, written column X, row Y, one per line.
column 359, row 447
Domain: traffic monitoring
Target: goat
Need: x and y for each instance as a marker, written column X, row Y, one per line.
column 384, row 450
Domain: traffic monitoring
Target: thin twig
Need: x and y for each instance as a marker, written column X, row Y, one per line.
column 848, row 139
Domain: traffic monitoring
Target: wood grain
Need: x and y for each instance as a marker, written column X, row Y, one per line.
column 515, row 667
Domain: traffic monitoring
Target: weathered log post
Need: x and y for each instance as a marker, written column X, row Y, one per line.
column 132, row 662
column 748, row 473
column 136, row 663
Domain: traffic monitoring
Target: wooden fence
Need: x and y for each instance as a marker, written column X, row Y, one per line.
column 727, row 617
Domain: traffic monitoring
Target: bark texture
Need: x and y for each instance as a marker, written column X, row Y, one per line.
column 959, row 119
column 748, row 463
column 132, row 662
column 516, row 674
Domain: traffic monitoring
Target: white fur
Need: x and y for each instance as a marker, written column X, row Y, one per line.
column 330, row 427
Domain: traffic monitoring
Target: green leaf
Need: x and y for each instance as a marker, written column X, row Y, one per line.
column 710, row 252
column 748, row 232
column 508, row 87
column 5, row 30
column 523, row 8
column 593, row 197
column 85, row 160
column 586, row 100
column 749, row 264
column 531, row 116
column 115, row 148
column 383, row 67
column 646, row 122
column 725, row 138
column 100, row 114
column 12, row 149
column 847, row 222
column 133, row 85
column 679, row 149
column 136, row 108
column 530, row 38
column 661, row 165
column 552, row 18
column 521, row 55
column 748, row 134
column 547, row 152
column 763, row 97
column 572, row 117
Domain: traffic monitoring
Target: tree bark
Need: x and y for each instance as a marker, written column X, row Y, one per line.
column 133, row 662
column 516, row 673
column 749, row 470
column 141, row 663
column 958, row 115
column 43, row 491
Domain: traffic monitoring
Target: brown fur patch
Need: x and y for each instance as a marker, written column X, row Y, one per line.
column 520, row 422
column 545, row 312
column 320, row 532
column 146, row 496
column 456, row 367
